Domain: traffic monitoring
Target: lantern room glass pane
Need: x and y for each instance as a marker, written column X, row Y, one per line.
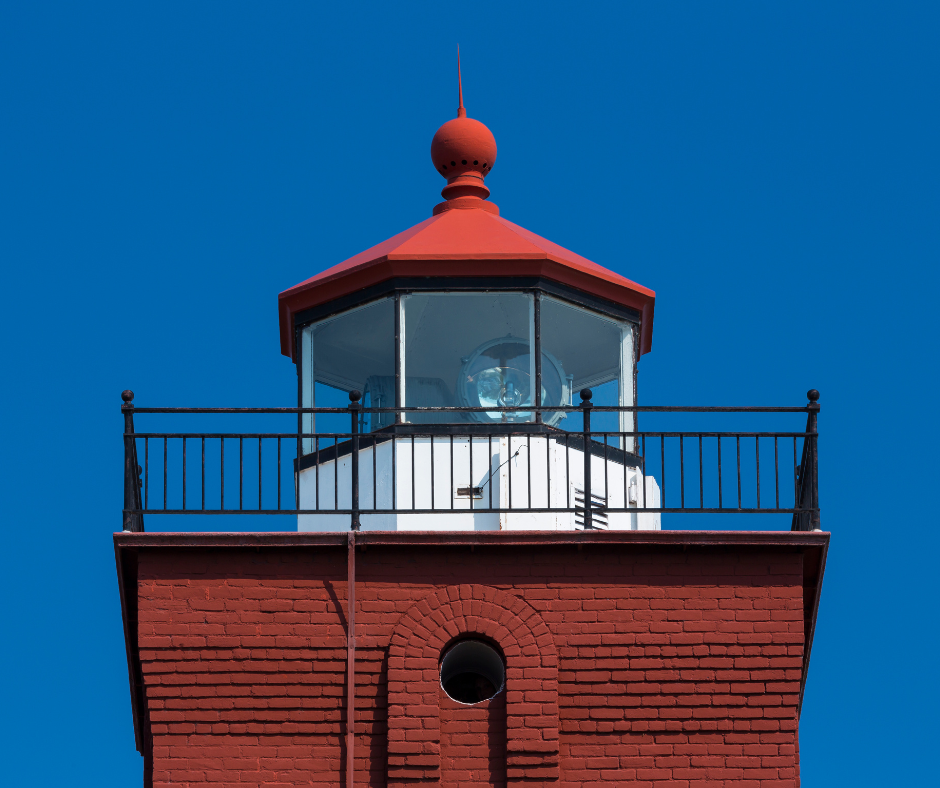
column 354, row 350
column 467, row 350
column 595, row 352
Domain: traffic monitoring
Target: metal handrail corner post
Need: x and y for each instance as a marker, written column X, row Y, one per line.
column 812, row 428
column 133, row 518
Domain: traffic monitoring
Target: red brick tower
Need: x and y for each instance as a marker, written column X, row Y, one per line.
column 561, row 640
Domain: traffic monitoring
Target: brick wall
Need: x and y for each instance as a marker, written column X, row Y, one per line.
column 473, row 743
column 626, row 664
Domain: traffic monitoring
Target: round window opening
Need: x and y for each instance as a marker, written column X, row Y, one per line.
column 472, row 672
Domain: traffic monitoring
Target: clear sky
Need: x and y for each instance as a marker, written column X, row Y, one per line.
column 770, row 169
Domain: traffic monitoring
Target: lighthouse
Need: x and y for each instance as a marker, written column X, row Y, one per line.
column 478, row 583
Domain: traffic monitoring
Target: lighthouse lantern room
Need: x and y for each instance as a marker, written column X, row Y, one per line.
column 465, row 344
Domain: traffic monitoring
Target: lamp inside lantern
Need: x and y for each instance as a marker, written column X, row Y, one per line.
column 498, row 374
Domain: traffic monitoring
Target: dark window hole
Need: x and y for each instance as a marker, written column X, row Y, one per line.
column 472, row 672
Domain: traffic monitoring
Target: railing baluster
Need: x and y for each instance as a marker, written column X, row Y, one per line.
column 431, row 439
column 757, row 458
column 719, row 473
column 643, row 460
column 776, row 475
column 701, row 476
column 796, row 478
column 567, row 471
column 662, row 462
column 146, row 473
column 490, row 465
column 548, row 473
column 452, row 473
column 737, row 441
column 164, row 472
column 509, row 473
column 202, row 465
column 413, row 504
column 241, row 472
column 681, row 475
column 279, row 473
column 528, row 475
column 259, row 474
column 470, row 480
column 626, row 492
column 184, row 473
column 222, row 475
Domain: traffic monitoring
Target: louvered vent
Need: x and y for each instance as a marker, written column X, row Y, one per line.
column 598, row 511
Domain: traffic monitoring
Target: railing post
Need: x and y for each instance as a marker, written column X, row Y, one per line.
column 300, row 456
column 586, row 406
column 813, row 458
column 354, row 397
column 133, row 519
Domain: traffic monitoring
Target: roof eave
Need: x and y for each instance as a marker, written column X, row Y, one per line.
column 373, row 272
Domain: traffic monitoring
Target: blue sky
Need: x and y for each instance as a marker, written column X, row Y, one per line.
column 771, row 170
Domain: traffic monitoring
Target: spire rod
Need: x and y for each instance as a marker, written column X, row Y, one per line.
column 461, row 112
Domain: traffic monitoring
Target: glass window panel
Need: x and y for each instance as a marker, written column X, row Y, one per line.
column 467, row 350
column 592, row 352
column 353, row 350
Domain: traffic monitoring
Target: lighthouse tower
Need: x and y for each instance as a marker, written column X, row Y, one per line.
column 457, row 338
column 480, row 590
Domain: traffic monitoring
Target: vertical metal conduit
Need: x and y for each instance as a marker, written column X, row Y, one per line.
column 350, row 658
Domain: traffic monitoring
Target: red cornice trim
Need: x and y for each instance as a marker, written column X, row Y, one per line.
column 817, row 539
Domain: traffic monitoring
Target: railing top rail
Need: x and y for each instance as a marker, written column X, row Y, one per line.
column 518, row 409
column 457, row 433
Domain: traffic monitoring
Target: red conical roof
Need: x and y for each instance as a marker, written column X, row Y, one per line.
column 466, row 237
column 464, row 243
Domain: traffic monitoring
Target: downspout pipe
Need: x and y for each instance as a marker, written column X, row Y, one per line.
column 350, row 658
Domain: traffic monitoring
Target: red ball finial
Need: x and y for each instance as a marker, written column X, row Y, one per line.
column 464, row 151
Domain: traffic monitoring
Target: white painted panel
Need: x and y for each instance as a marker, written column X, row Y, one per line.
column 518, row 472
column 651, row 521
column 627, row 371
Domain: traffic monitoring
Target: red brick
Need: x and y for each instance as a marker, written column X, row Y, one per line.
column 692, row 659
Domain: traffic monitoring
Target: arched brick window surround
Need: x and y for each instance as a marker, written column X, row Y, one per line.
column 414, row 751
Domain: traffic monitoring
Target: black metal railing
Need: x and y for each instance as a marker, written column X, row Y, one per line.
column 691, row 468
